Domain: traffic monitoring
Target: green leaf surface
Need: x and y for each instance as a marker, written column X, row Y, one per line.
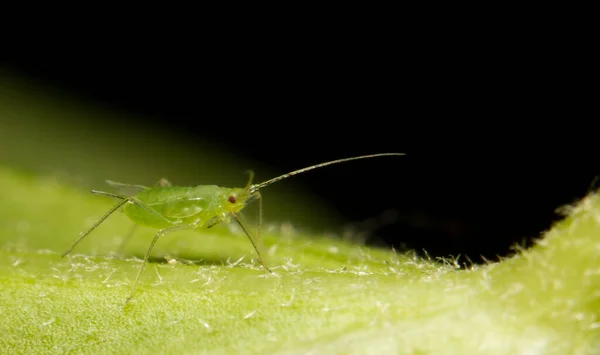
column 203, row 293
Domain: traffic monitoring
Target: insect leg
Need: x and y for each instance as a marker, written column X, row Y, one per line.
column 125, row 199
column 243, row 226
column 135, row 201
column 260, row 215
column 160, row 233
column 83, row 235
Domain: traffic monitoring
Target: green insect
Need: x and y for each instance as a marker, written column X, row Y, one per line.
column 173, row 208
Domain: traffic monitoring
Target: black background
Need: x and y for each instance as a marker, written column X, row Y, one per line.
column 493, row 136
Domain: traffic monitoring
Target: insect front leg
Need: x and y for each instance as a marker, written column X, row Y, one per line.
column 260, row 214
column 256, row 196
column 241, row 223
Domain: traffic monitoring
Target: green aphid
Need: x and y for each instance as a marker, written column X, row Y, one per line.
column 174, row 208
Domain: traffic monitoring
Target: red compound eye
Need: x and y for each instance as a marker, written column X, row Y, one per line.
column 232, row 199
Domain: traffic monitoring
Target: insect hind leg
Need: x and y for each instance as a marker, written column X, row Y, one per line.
column 136, row 201
column 83, row 235
column 124, row 200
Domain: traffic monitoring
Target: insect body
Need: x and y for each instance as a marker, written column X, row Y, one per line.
column 185, row 205
column 171, row 208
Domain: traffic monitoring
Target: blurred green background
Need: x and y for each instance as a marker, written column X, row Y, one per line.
column 47, row 133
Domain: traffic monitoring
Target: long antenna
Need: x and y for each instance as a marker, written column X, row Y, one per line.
column 257, row 187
